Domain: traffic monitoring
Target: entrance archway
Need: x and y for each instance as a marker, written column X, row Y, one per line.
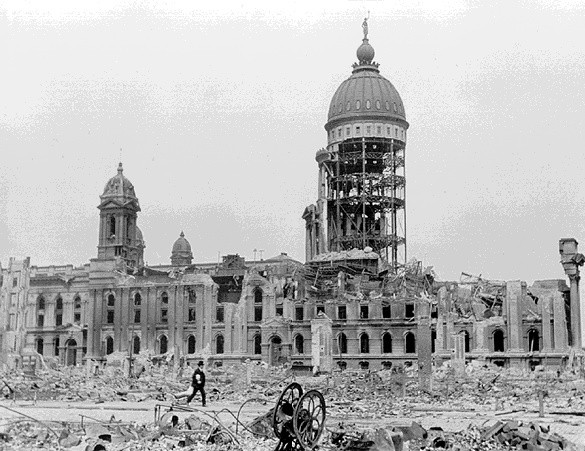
column 275, row 355
column 71, row 353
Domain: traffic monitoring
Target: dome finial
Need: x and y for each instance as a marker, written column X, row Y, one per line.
column 182, row 234
column 365, row 26
column 120, row 168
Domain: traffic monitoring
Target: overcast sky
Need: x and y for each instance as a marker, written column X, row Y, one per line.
column 219, row 111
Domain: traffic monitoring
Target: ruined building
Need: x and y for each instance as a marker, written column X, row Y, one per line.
column 356, row 302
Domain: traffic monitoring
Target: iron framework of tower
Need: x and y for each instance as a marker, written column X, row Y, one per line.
column 366, row 198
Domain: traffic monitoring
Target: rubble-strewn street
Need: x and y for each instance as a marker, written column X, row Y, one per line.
column 489, row 408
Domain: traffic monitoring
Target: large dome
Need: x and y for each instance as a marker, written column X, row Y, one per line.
column 181, row 245
column 366, row 94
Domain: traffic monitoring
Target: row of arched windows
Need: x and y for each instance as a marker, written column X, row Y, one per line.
column 364, row 343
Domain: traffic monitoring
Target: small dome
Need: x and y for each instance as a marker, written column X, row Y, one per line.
column 181, row 254
column 119, row 186
column 181, row 245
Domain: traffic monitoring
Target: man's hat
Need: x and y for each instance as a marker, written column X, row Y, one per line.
column 200, row 363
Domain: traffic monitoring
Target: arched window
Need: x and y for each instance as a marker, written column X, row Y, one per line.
column 112, row 225
column 533, row 340
column 364, row 344
column 257, row 344
column 163, row 344
column 299, row 344
column 386, row 343
column 409, row 343
column 191, row 345
column 219, row 344
column 109, row 345
column 164, row 307
column 56, row 343
column 467, row 340
column 342, row 343
column 59, row 311
column 499, row 340
column 136, row 345
column 137, row 307
column 40, row 311
column 110, row 309
column 77, row 310
column 40, row 345
column 258, row 304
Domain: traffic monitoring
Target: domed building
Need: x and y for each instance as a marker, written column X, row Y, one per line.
column 181, row 255
column 361, row 198
column 119, row 235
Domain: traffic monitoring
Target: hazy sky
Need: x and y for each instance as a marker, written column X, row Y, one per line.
column 219, row 109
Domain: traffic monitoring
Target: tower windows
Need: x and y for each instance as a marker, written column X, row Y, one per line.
column 357, row 131
column 387, row 106
column 136, row 345
column 368, row 104
column 378, row 106
column 342, row 312
column 112, row 233
column 368, row 130
column 40, row 346
column 388, row 131
column 347, row 131
column 395, row 109
column 379, row 130
column 258, row 304
column 357, row 104
column 56, row 346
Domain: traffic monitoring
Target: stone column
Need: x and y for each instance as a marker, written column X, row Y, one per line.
column 515, row 291
column 322, row 344
column 545, row 313
column 424, row 345
column 458, row 355
column 559, row 322
column 480, row 333
column 440, row 342
column 571, row 260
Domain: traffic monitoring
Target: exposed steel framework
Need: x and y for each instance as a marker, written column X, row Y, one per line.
column 366, row 197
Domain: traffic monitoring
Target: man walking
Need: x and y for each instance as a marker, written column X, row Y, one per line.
column 197, row 384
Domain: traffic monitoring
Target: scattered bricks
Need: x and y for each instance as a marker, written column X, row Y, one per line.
column 492, row 430
column 512, row 425
column 551, row 446
column 533, row 447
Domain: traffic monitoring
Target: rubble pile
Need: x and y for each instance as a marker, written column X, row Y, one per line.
column 193, row 433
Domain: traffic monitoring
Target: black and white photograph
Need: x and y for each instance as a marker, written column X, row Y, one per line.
column 330, row 225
